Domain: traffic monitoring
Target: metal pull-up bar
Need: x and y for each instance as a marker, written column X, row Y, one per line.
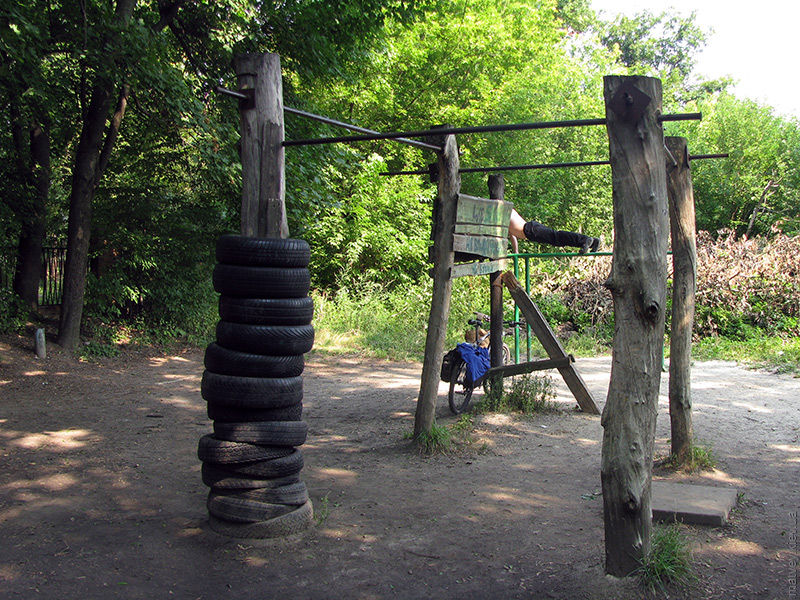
column 246, row 96
column 476, row 129
column 560, row 165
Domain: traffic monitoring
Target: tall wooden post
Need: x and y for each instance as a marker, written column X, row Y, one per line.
column 263, row 182
column 444, row 218
column 684, row 283
column 497, row 188
column 638, row 286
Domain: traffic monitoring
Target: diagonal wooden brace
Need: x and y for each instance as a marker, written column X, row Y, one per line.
column 550, row 343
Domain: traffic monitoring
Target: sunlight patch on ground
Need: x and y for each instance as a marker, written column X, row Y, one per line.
column 721, row 477
column 498, row 419
column 752, row 407
column 587, row 442
column 340, row 475
column 737, row 547
column 66, row 439
column 785, row 447
column 51, row 483
column 34, row 373
column 9, row 573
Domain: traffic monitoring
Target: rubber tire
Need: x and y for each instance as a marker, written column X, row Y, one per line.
column 296, row 521
column 457, row 388
column 271, row 433
column 220, row 413
column 251, row 392
column 262, row 252
column 269, row 469
column 243, row 510
column 210, row 449
column 273, row 340
column 261, row 282
column 219, row 478
column 293, row 493
column 266, row 311
column 244, row 364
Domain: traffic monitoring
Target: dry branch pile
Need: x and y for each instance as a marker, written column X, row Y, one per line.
column 741, row 283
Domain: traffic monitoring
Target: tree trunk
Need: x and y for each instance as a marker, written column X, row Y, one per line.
column 684, row 278
column 638, row 286
column 444, row 219
column 85, row 177
column 29, row 252
column 80, row 214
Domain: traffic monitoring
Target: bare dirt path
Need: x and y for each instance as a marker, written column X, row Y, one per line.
column 101, row 497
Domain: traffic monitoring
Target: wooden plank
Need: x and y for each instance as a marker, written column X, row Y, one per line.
column 480, row 268
column 481, row 211
column 530, row 366
column 493, row 230
column 550, row 343
column 487, row 246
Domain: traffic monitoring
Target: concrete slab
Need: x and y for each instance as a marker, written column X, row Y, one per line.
column 689, row 503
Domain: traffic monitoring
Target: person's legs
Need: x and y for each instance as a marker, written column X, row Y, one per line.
column 536, row 232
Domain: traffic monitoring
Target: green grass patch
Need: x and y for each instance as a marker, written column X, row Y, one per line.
column 438, row 440
column 528, row 394
column 701, row 458
column 669, row 561
column 781, row 355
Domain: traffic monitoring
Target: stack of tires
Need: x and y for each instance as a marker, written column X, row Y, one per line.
column 254, row 388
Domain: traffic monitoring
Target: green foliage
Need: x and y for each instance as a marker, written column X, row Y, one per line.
column 758, row 186
column 13, row 312
column 529, row 394
column 669, row 561
column 436, row 441
column 778, row 354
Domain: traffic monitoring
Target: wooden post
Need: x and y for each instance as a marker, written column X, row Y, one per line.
column 263, row 182
column 638, row 287
column 684, row 282
column 444, row 218
column 497, row 188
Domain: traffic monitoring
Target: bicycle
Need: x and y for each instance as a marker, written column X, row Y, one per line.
column 460, row 393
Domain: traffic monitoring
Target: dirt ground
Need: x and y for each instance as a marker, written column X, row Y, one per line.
column 101, row 496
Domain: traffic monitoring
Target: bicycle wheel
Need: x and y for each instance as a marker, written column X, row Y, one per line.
column 506, row 354
column 460, row 393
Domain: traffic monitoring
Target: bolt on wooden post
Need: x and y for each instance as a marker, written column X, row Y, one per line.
column 684, row 284
column 638, row 287
column 262, row 152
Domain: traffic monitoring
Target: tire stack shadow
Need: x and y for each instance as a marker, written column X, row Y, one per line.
column 253, row 387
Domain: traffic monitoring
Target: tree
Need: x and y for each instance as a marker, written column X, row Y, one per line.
column 757, row 187
column 106, row 54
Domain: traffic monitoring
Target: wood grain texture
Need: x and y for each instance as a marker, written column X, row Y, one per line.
column 638, row 287
column 684, row 284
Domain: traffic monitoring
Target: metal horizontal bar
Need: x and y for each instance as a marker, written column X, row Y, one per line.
column 221, row 90
column 589, row 163
column 351, row 127
column 703, row 156
column 681, row 117
column 476, row 129
column 508, row 168
column 447, row 131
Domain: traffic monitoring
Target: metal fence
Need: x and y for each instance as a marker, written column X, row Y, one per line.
column 51, row 279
